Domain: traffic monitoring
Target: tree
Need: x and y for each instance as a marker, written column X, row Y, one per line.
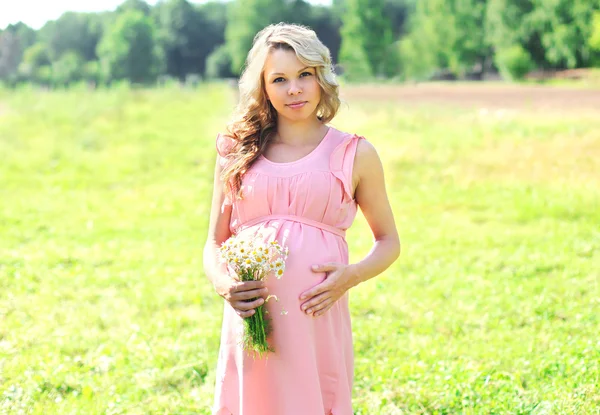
column 564, row 26
column 245, row 18
column 139, row 5
column 73, row 32
column 298, row 12
column 447, row 37
column 399, row 11
column 429, row 45
column 34, row 57
column 27, row 36
column 366, row 34
column 514, row 62
column 11, row 53
column 128, row 49
column 470, row 48
column 594, row 40
column 326, row 25
column 214, row 13
column 67, row 69
column 553, row 32
column 186, row 36
column 218, row 64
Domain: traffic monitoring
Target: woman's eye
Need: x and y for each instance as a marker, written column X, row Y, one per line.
column 278, row 79
column 305, row 73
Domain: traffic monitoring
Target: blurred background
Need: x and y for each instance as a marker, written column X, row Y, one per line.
column 61, row 42
column 485, row 114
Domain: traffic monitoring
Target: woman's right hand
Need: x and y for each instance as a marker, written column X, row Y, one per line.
column 243, row 296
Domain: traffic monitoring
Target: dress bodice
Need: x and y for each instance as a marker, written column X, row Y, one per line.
column 316, row 189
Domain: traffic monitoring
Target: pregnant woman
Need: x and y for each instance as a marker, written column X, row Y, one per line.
column 284, row 174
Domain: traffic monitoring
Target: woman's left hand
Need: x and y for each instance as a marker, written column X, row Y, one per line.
column 320, row 298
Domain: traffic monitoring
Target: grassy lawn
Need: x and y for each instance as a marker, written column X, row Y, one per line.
column 493, row 307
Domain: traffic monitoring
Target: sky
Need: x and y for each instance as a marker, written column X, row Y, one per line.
column 37, row 12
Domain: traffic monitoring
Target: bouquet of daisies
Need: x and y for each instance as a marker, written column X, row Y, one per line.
column 253, row 260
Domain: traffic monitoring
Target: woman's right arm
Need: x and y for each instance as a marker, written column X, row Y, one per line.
column 236, row 292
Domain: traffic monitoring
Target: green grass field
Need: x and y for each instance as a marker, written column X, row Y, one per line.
column 492, row 308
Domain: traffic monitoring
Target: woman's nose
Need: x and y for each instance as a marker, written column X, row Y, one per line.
column 294, row 89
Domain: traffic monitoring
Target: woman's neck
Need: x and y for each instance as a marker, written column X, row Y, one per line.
column 298, row 133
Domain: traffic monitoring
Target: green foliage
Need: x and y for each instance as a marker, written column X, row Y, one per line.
column 67, row 69
column 414, row 64
column 594, row 40
column 564, row 26
column 398, row 12
column 391, row 65
column 514, row 62
column 298, row 12
column 70, row 68
column 73, row 32
column 411, row 39
column 36, row 56
column 185, row 36
column 366, row 37
column 11, row 52
column 506, row 22
column 26, row 35
column 43, row 75
column 428, row 45
column 355, row 63
column 218, row 64
column 470, row 46
column 128, row 49
column 554, row 32
column 326, row 23
column 92, row 72
column 139, row 5
column 214, row 14
column 445, row 35
column 245, row 19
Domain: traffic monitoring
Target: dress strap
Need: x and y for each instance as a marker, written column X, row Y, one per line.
column 294, row 218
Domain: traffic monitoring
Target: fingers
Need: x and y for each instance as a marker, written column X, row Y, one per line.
column 329, row 266
column 314, row 291
column 246, row 308
column 248, row 285
column 247, row 305
column 323, row 310
column 247, row 295
column 244, row 290
column 316, row 303
column 244, row 314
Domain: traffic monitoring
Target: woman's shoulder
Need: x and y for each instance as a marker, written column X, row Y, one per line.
column 343, row 136
column 344, row 140
column 224, row 144
column 352, row 147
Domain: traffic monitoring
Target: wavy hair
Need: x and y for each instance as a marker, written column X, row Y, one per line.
column 255, row 119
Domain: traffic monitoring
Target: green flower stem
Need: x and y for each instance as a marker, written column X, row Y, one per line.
column 257, row 325
column 263, row 337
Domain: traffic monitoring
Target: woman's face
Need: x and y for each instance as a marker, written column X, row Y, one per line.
column 291, row 86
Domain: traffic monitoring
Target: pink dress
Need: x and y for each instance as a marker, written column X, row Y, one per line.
column 306, row 205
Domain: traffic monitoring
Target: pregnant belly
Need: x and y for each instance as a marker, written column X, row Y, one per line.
column 307, row 246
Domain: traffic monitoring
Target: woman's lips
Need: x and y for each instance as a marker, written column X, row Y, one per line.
column 296, row 106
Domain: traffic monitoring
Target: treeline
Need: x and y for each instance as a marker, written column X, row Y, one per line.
column 402, row 39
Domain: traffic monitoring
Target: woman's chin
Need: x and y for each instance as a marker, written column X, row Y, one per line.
column 305, row 114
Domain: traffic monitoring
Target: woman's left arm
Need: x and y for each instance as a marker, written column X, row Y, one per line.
column 371, row 196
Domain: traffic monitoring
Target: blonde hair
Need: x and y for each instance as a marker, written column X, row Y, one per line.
column 255, row 119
